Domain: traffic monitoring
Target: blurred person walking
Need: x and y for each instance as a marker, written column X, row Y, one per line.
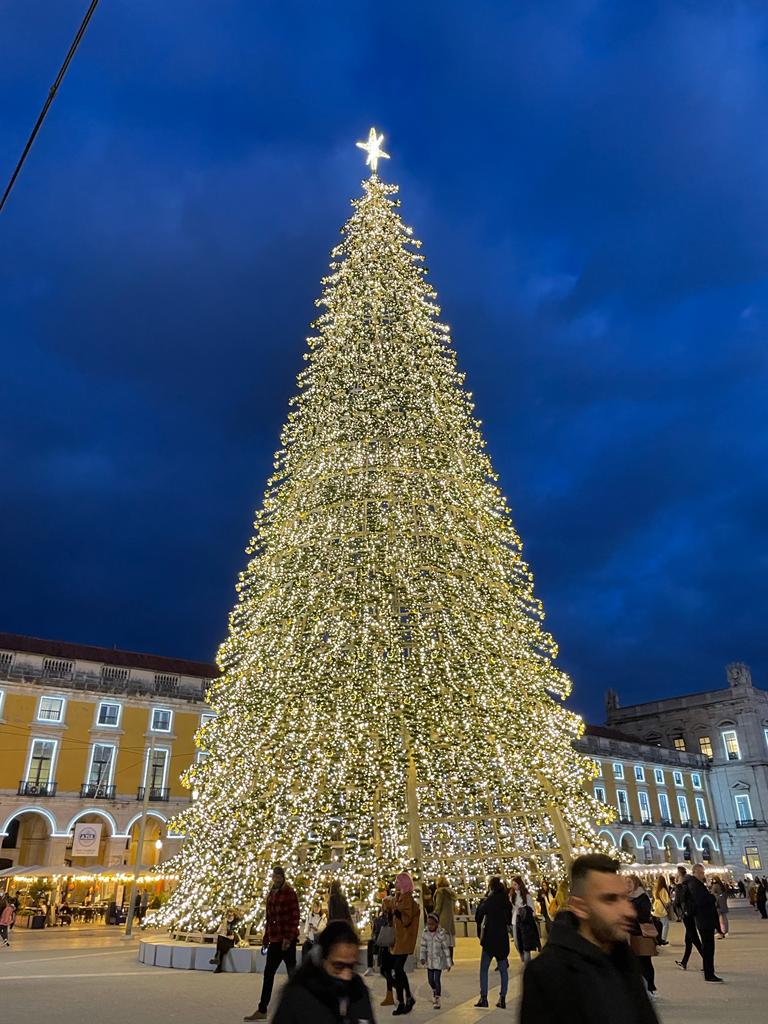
column 338, row 907
column 281, row 933
column 721, row 902
column 7, row 919
column 435, row 955
column 703, row 914
column 662, row 907
column 761, row 897
column 445, row 898
column 493, row 918
column 326, row 988
column 643, row 934
column 587, row 973
column 406, row 921
column 684, row 908
column 525, row 930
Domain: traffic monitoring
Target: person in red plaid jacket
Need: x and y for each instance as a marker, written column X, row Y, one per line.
column 281, row 933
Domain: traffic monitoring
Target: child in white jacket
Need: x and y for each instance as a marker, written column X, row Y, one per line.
column 435, row 955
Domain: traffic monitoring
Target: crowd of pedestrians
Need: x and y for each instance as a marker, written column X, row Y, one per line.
column 587, row 945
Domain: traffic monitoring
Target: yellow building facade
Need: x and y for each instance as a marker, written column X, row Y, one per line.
column 84, row 733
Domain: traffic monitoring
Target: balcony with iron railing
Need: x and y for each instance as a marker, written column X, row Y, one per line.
column 748, row 823
column 27, row 788
column 95, row 682
column 155, row 793
column 96, row 791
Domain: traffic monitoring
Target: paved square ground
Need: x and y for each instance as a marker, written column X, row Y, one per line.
column 67, row 977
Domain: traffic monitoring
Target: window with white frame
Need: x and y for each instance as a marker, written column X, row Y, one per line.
column 161, row 720
column 206, row 718
column 639, row 773
column 108, row 714
column 618, row 770
column 600, row 794
column 696, row 780
column 645, row 807
column 678, row 778
column 731, row 744
column 765, row 733
column 599, row 765
column 752, row 857
column 102, row 766
column 679, row 743
column 42, row 755
column 2, row 703
column 658, row 775
column 51, row 709
column 743, row 808
column 701, row 812
column 682, row 808
column 622, row 802
column 664, row 811
column 156, row 769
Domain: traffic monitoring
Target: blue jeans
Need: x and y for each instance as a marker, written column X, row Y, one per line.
column 485, row 963
column 433, row 977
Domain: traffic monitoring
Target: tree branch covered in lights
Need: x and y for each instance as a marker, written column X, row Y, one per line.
column 388, row 696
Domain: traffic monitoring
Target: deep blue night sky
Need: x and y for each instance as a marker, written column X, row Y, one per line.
column 590, row 181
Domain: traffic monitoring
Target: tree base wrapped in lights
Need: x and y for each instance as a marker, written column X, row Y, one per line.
column 388, row 696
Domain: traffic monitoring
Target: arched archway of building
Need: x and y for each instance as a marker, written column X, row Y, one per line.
column 609, row 836
column 688, row 851
column 154, row 832
column 27, row 835
column 649, row 849
column 92, row 817
column 629, row 844
column 670, row 850
column 707, row 850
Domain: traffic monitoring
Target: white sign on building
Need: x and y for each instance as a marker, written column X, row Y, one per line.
column 86, row 839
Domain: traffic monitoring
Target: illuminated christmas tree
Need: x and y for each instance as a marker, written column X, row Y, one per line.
column 388, row 696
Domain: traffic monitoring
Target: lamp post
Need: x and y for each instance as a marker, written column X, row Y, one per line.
column 140, row 842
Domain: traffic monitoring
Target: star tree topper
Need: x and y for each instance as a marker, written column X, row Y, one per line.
column 373, row 148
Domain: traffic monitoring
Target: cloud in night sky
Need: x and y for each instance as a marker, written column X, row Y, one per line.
column 590, row 182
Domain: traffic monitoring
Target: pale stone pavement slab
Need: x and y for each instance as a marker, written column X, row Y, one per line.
column 93, row 975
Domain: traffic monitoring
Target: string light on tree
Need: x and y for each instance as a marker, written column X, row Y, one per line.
column 389, row 697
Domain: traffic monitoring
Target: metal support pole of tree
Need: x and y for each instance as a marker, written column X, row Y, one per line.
column 140, row 842
column 562, row 832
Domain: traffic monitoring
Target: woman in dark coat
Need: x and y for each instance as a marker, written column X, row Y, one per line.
column 641, row 901
column 326, row 989
column 338, row 908
column 493, row 918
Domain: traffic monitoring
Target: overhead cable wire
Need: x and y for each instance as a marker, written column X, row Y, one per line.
column 52, row 92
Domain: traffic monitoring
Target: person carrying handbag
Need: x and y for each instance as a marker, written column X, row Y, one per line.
column 643, row 936
column 383, row 938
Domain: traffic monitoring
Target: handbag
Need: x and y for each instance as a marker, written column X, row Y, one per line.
column 386, row 936
column 643, row 945
column 649, row 929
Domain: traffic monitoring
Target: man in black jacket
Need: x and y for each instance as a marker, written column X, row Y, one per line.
column 326, row 988
column 699, row 916
column 587, row 973
column 684, row 908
